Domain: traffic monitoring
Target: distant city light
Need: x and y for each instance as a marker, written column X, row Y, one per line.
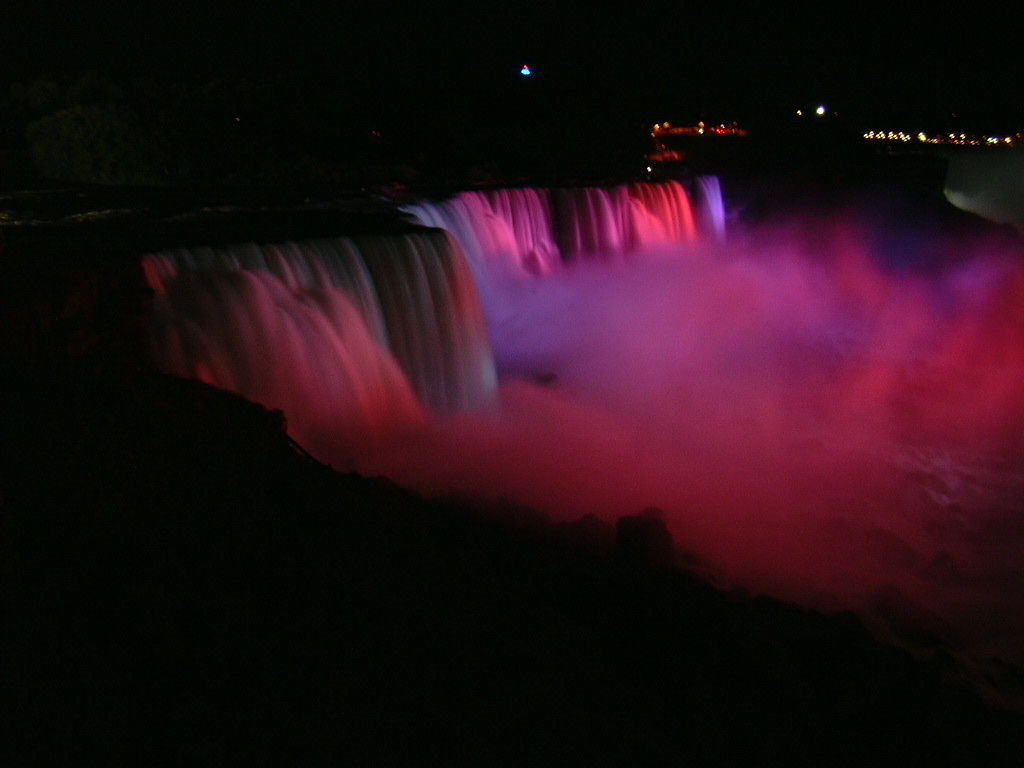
column 525, row 70
column 820, row 110
column 959, row 139
column 700, row 129
column 799, row 113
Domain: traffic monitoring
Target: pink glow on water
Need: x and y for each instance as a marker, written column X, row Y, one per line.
column 813, row 425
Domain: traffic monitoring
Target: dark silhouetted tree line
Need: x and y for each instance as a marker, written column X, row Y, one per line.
column 91, row 129
column 301, row 130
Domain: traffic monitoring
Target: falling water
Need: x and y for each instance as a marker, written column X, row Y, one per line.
column 539, row 231
column 398, row 316
column 345, row 335
column 712, row 206
column 508, row 230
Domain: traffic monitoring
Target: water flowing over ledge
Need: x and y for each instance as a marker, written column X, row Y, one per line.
column 539, row 231
column 366, row 331
column 344, row 334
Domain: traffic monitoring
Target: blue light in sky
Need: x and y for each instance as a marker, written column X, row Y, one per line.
column 525, row 71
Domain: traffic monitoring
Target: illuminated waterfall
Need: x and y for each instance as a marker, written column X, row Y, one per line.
column 538, row 231
column 345, row 334
column 817, row 423
column 352, row 336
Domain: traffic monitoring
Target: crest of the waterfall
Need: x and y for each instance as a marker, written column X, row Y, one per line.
column 537, row 231
column 501, row 231
column 341, row 334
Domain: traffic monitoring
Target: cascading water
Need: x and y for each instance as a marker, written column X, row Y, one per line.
column 508, row 230
column 537, row 231
column 345, row 335
column 362, row 330
column 712, row 207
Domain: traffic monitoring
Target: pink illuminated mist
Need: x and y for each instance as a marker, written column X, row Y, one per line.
column 814, row 423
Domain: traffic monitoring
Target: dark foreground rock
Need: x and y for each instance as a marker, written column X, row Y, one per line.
column 182, row 586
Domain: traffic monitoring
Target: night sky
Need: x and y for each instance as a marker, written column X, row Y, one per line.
column 644, row 57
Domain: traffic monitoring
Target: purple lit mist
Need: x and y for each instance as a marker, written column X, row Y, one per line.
column 815, row 424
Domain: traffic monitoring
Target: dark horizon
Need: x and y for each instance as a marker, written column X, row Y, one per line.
column 642, row 60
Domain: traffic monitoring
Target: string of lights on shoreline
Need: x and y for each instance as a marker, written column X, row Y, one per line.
column 661, row 130
column 958, row 139
column 700, row 129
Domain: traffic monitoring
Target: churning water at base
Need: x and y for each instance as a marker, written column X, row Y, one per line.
column 814, row 423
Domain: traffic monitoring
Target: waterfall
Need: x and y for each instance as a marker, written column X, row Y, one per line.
column 510, row 230
column 350, row 333
column 354, row 335
column 537, row 231
column 712, row 206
